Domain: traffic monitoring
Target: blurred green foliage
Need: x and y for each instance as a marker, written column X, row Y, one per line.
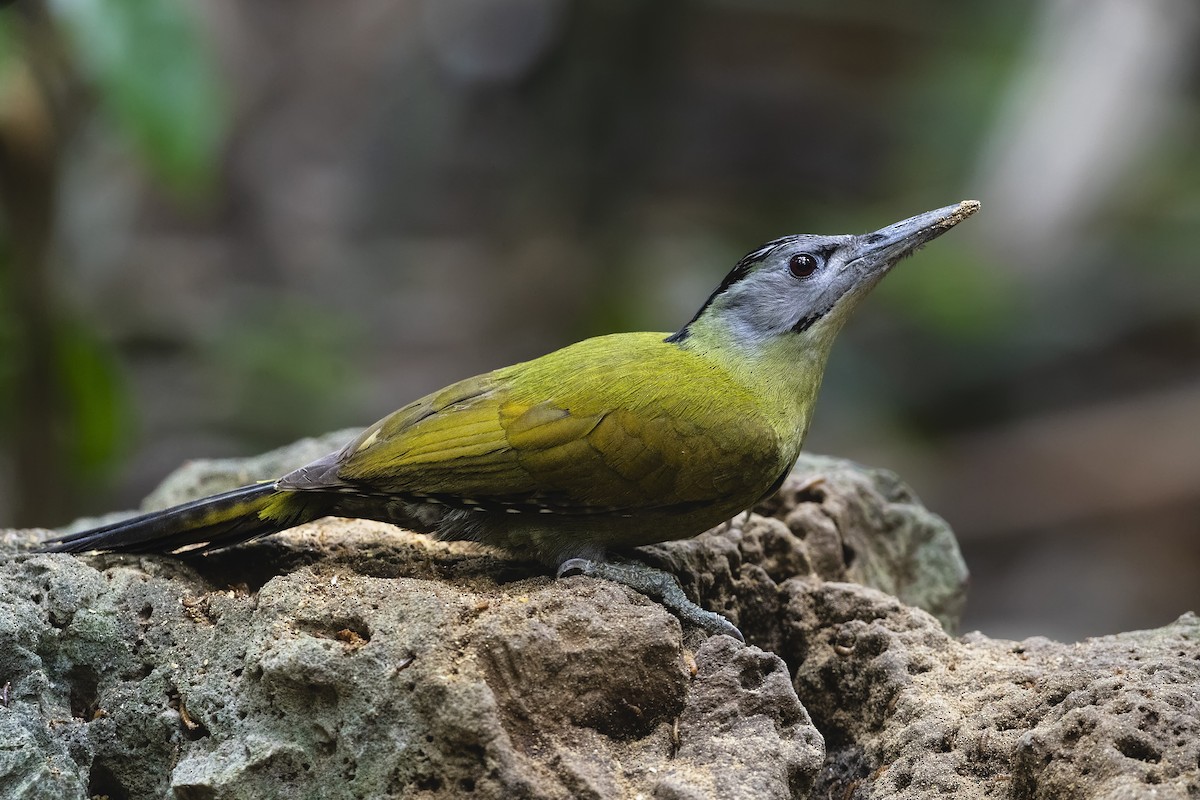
column 99, row 415
column 151, row 71
column 146, row 65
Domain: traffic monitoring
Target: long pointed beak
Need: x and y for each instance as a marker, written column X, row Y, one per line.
column 886, row 246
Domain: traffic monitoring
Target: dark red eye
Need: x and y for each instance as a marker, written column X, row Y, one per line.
column 803, row 265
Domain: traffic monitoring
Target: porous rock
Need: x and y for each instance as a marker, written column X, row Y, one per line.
column 832, row 520
column 387, row 666
column 351, row 659
column 909, row 712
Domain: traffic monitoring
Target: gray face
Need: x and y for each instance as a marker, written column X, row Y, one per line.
column 787, row 286
column 808, row 283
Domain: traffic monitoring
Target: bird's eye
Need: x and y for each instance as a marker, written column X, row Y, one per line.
column 803, row 265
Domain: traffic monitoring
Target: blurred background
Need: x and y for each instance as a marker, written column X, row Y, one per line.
column 227, row 225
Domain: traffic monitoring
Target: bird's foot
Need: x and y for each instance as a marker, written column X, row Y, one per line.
column 662, row 586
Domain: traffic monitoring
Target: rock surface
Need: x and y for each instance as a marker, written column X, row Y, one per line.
column 348, row 659
column 909, row 712
column 389, row 666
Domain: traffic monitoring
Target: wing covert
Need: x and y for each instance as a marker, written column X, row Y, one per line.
column 597, row 444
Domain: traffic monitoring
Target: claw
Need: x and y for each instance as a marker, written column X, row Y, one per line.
column 654, row 583
column 573, row 566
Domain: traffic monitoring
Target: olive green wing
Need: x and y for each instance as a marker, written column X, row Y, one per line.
column 447, row 443
column 648, row 457
column 477, row 444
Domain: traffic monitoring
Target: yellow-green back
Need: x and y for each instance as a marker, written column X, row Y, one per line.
column 617, row 424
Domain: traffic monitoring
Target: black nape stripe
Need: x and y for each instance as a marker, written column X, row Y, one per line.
column 679, row 335
column 740, row 270
column 806, row 322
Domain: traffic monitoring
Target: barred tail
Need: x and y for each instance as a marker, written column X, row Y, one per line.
column 210, row 523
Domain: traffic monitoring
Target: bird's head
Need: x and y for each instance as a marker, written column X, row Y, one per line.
column 806, row 285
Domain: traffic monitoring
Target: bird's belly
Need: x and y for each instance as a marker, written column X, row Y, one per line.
column 553, row 538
